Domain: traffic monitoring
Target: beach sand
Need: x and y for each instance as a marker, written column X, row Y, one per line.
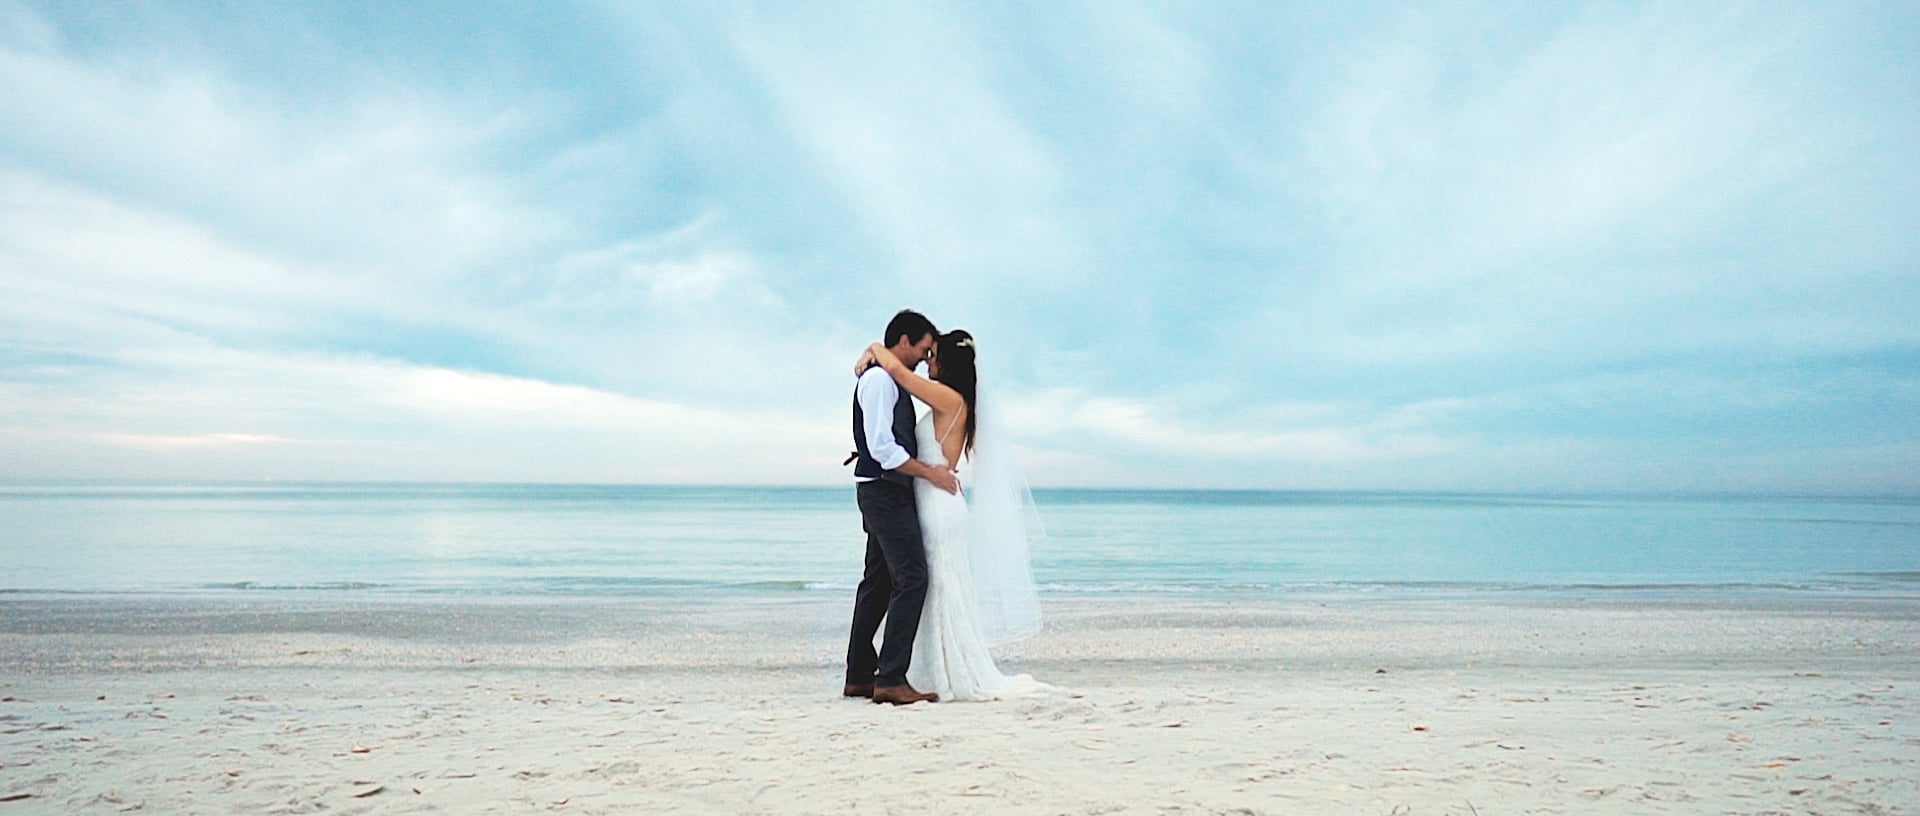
column 1333, row 705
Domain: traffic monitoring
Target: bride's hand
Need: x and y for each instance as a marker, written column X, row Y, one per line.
column 866, row 361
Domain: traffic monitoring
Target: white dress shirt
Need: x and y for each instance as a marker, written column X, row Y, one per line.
column 877, row 394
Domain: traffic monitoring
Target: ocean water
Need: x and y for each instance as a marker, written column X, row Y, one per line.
column 548, row 540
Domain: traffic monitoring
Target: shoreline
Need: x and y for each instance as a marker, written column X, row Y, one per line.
column 807, row 628
column 1169, row 705
column 1897, row 587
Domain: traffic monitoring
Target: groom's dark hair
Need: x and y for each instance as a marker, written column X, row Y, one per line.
column 913, row 324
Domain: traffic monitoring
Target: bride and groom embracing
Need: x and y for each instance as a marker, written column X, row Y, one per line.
column 948, row 575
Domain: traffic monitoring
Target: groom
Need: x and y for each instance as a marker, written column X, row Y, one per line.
column 885, row 465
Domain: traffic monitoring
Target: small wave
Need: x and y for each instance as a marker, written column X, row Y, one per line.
column 1898, row 576
column 1838, row 521
column 552, row 586
column 776, row 586
column 321, row 586
column 1430, row 588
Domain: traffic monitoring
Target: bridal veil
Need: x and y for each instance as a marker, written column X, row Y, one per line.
column 1002, row 523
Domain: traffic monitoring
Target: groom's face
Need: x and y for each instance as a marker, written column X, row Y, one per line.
column 919, row 352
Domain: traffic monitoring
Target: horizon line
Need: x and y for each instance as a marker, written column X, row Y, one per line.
column 6, row 484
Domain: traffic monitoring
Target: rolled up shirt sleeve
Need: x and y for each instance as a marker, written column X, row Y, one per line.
column 878, row 393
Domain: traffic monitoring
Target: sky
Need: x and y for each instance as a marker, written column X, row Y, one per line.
column 1554, row 247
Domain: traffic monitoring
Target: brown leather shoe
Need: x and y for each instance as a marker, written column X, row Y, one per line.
column 902, row 694
column 857, row 690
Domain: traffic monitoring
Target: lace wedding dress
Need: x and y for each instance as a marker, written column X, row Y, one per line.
column 950, row 655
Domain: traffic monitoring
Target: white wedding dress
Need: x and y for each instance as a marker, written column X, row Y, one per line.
column 950, row 656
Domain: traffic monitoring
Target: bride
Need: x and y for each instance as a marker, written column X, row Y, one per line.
column 980, row 591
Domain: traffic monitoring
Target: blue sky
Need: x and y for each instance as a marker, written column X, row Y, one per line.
column 1610, row 246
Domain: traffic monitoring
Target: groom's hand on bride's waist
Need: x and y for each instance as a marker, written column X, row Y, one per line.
column 941, row 477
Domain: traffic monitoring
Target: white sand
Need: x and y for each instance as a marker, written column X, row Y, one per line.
column 1354, row 706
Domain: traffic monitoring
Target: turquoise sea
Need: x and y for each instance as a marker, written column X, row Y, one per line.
column 582, row 540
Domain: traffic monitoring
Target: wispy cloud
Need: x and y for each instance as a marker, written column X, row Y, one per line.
column 184, row 412
column 153, row 442
column 384, row 178
column 1319, row 435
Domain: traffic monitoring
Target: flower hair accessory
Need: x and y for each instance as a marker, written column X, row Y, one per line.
column 967, row 343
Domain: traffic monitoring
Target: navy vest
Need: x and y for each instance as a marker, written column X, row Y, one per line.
column 864, row 465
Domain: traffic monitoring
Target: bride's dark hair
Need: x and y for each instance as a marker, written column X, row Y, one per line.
column 955, row 353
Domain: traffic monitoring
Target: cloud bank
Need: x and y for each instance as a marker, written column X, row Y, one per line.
column 1652, row 246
